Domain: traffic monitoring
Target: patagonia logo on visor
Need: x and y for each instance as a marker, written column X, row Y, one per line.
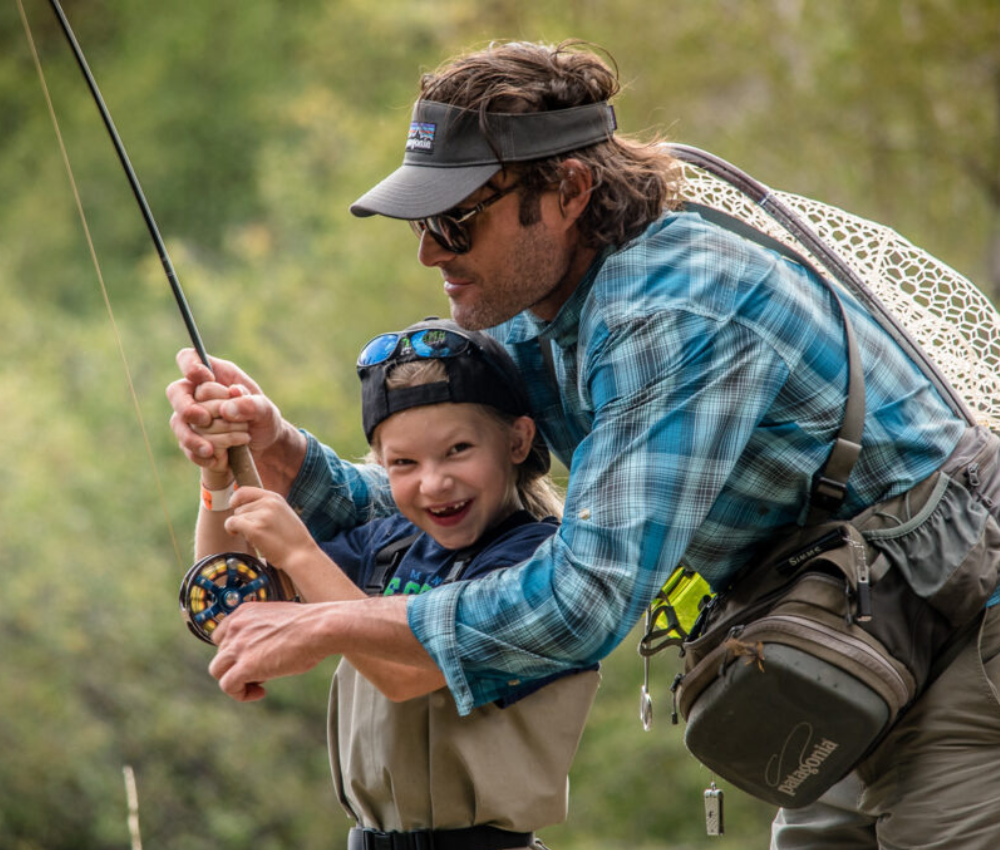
column 421, row 137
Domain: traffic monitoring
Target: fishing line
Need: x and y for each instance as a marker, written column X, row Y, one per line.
column 104, row 290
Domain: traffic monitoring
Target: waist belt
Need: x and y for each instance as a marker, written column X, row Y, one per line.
column 472, row 838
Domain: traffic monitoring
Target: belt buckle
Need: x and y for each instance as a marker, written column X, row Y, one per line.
column 375, row 840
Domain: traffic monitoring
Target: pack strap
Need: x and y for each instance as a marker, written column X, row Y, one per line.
column 829, row 484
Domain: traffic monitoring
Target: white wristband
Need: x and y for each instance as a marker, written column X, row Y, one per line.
column 218, row 500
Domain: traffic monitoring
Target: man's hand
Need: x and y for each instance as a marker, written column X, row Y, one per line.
column 262, row 417
column 261, row 641
column 222, row 434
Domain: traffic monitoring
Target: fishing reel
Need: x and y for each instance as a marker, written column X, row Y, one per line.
column 217, row 585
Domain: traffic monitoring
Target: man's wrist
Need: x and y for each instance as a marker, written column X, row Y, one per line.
column 280, row 463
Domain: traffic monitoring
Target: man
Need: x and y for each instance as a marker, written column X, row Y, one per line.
column 697, row 383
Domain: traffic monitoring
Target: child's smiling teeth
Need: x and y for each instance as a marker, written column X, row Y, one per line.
column 449, row 510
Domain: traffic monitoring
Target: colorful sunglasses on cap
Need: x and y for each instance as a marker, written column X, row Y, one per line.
column 426, row 344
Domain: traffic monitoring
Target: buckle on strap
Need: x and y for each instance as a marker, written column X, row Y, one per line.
column 827, row 493
column 829, row 484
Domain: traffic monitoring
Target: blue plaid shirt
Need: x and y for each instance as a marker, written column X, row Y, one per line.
column 701, row 380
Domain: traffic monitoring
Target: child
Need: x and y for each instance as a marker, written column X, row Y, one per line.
column 446, row 415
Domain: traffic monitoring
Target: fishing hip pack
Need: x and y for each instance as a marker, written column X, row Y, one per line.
column 796, row 672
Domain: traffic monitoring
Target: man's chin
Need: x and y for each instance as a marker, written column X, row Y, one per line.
column 473, row 319
column 468, row 319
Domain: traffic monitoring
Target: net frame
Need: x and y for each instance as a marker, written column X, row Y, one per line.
column 937, row 315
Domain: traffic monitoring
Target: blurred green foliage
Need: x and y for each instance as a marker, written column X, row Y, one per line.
column 252, row 127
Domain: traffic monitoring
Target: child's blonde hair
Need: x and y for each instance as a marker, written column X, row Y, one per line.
column 536, row 489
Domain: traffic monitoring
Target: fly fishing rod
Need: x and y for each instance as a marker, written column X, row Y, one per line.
column 133, row 181
column 215, row 586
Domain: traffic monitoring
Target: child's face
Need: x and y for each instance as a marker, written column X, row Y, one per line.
column 452, row 468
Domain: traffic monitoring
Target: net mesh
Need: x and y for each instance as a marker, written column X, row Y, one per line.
column 955, row 323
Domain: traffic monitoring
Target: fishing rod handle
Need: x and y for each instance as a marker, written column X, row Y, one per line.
column 242, row 464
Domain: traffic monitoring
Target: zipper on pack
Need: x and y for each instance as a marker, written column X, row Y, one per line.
column 864, row 594
column 864, row 586
column 975, row 482
column 828, row 636
column 674, row 716
column 748, row 615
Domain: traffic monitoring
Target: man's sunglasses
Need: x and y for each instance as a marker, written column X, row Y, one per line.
column 428, row 344
column 450, row 230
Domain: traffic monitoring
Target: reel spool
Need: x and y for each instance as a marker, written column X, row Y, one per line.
column 217, row 585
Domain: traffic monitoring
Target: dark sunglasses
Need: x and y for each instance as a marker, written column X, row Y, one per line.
column 428, row 344
column 450, row 230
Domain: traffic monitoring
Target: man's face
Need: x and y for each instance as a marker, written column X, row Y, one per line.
column 511, row 267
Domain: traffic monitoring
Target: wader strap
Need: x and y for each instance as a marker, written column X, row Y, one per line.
column 386, row 561
column 462, row 559
column 472, row 838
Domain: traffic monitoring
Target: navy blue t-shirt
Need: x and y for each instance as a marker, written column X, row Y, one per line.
column 426, row 564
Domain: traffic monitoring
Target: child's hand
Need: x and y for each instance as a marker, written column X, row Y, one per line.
column 270, row 525
column 221, row 433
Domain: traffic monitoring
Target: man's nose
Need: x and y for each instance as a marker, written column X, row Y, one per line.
column 431, row 253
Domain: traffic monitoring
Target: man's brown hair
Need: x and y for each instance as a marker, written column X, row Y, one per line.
column 633, row 182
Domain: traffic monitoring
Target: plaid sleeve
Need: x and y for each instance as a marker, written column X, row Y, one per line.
column 330, row 494
column 675, row 398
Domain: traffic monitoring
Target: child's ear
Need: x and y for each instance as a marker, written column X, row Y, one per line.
column 374, row 452
column 522, row 435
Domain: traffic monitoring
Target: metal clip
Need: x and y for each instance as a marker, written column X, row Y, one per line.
column 645, row 700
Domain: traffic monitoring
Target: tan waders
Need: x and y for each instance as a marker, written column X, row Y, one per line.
column 417, row 765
